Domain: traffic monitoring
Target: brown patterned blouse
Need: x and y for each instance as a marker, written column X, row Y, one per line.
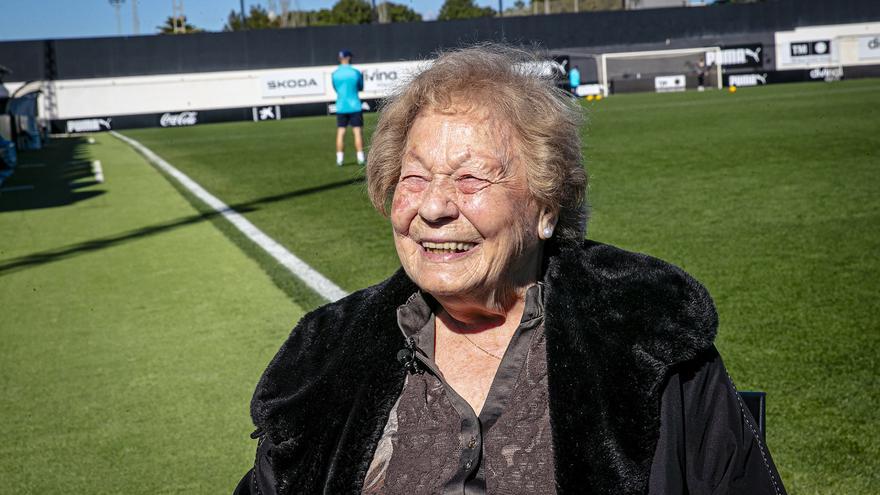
column 435, row 443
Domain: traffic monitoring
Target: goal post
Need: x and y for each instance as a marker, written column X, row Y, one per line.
column 659, row 70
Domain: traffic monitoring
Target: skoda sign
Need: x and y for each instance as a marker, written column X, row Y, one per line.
column 293, row 83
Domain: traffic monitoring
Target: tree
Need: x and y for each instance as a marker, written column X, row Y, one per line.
column 395, row 12
column 519, row 8
column 257, row 18
column 463, row 9
column 351, row 12
column 342, row 12
column 537, row 7
column 177, row 25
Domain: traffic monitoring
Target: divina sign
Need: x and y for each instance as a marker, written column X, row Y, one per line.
column 293, row 83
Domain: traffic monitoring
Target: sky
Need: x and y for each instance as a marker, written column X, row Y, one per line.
column 42, row 19
column 47, row 19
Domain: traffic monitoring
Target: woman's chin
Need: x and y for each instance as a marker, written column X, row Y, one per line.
column 445, row 289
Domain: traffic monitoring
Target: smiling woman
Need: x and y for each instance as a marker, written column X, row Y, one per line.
column 508, row 355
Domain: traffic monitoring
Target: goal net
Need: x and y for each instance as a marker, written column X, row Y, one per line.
column 660, row 70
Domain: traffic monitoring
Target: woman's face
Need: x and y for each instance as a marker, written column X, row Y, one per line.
column 464, row 222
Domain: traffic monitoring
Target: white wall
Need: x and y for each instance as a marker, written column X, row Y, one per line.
column 103, row 97
column 849, row 45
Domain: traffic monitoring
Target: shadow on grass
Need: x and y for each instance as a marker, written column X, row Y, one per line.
column 53, row 176
column 22, row 262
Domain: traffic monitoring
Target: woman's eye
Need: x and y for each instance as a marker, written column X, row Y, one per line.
column 469, row 183
column 413, row 180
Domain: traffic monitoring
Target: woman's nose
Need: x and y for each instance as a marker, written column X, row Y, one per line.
column 438, row 202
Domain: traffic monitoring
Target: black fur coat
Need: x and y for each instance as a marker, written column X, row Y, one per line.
column 639, row 400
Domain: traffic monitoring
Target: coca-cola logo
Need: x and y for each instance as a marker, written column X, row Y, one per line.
column 179, row 119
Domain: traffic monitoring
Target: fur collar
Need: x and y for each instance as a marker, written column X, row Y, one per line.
column 615, row 321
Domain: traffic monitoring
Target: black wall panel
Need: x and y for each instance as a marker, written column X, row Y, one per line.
column 206, row 52
column 24, row 58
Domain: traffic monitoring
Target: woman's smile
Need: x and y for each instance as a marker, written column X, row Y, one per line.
column 448, row 250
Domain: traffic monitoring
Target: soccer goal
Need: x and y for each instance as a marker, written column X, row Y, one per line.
column 659, row 70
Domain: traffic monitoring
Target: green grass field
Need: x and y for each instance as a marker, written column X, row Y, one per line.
column 133, row 332
column 136, row 324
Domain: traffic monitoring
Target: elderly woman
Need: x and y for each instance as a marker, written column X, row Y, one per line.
column 508, row 355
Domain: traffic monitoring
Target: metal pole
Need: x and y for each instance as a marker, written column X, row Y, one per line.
column 135, row 21
column 243, row 18
column 116, row 4
column 500, row 8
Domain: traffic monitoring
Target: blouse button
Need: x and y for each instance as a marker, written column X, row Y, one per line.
column 472, row 443
column 468, row 465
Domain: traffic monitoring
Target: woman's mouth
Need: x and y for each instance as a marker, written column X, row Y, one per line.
column 447, row 247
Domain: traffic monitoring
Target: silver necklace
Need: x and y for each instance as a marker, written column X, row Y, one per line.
column 480, row 348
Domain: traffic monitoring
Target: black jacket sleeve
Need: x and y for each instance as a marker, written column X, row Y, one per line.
column 709, row 443
column 260, row 480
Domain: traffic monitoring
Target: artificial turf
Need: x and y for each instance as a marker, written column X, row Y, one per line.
column 767, row 195
column 133, row 331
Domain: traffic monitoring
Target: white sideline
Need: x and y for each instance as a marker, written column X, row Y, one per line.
column 312, row 278
column 97, row 171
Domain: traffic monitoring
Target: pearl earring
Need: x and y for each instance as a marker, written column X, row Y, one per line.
column 548, row 232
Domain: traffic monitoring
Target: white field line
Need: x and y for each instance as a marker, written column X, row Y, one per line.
column 311, row 277
column 97, row 171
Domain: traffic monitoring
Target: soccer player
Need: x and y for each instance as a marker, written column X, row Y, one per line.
column 347, row 81
column 574, row 79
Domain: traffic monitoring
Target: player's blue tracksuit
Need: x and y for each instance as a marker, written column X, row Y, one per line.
column 347, row 81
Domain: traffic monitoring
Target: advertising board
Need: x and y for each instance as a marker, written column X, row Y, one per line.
column 382, row 79
column 665, row 84
column 737, row 56
column 179, row 119
column 292, row 83
column 816, row 50
column 89, row 125
column 745, row 80
column 869, row 47
column 269, row 112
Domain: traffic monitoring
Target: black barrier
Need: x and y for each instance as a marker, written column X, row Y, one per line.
column 188, row 118
column 832, row 73
column 298, row 47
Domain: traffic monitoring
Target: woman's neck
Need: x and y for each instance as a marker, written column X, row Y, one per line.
column 476, row 315
column 503, row 305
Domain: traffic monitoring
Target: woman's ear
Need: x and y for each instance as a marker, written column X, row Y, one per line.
column 546, row 223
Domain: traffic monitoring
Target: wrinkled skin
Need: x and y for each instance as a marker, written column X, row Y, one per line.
column 461, row 182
